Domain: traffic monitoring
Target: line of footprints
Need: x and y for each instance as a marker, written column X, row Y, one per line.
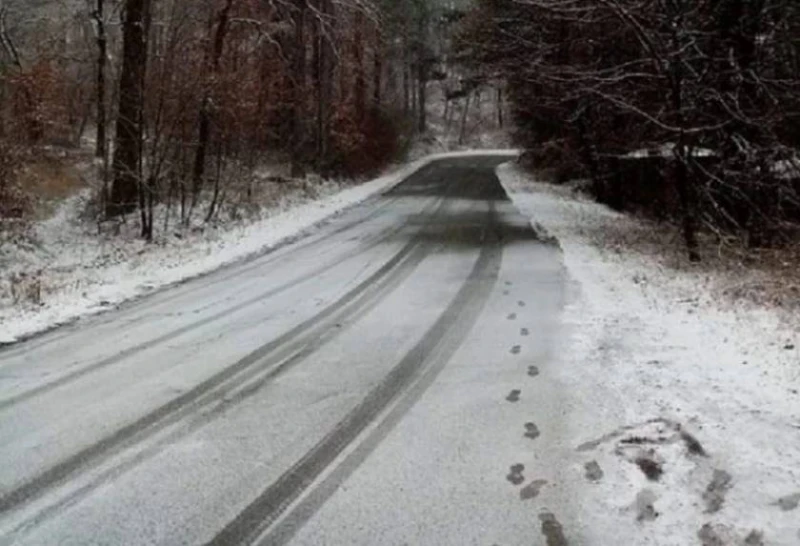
column 531, row 431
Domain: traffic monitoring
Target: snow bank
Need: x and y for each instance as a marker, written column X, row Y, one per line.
column 79, row 272
column 657, row 380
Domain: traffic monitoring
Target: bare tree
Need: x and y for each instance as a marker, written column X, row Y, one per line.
column 101, row 38
column 127, row 166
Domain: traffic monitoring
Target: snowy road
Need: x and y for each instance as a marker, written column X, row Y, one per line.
column 382, row 381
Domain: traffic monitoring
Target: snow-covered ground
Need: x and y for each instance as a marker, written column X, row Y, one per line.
column 702, row 395
column 70, row 270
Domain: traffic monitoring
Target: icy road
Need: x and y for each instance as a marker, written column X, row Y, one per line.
column 381, row 381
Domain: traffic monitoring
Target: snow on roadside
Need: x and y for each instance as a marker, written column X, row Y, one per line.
column 655, row 379
column 83, row 273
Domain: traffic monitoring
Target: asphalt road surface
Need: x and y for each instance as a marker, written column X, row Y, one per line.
column 380, row 381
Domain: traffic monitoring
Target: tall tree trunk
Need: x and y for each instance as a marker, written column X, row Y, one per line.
column 377, row 74
column 100, row 82
column 317, row 32
column 423, row 66
column 213, row 57
column 500, row 121
column 298, row 83
column 685, row 180
column 324, row 69
column 422, row 86
column 128, row 149
column 406, row 87
column 464, row 115
column 360, row 91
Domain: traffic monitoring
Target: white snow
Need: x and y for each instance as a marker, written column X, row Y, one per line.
column 787, row 169
column 668, row 151
column 79, row 272
column 648, row 349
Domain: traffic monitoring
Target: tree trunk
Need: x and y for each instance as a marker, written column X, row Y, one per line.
column 463, row 134
column 500, row 107
column 406, row 85
column 298, row 83
column 329, row 69
column 128, row 149
column 422, row 86
column 204, row 121
column 685, row 190
column 360, row 90
column 100, row 82
column 324, row 66
column 377, row 74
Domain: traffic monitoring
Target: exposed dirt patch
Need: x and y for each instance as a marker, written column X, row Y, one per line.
column 51, row 178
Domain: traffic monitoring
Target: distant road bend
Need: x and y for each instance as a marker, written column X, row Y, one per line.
column 368, row 384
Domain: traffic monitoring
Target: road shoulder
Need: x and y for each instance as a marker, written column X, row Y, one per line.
column 683, row 412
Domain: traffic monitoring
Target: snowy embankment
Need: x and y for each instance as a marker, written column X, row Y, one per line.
column 76, row 272
column 657, row 380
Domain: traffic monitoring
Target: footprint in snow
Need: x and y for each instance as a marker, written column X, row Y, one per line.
column 515, row 475
column 532, row 490
column 532, row 431
column 513, row 396
column 789, row 502
column 717, row 490
column 533, row 371
column 593, row 471
column 516, row 349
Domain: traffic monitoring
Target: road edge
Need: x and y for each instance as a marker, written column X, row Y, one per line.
column 383, row 184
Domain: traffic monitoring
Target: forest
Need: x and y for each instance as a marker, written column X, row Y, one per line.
column 682, row 110
column 686, row 110
column 183, row 101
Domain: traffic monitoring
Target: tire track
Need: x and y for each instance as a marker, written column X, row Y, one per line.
column 400, row 388
column 169, row 336
column 209, row 391
column 246, row 386
column 238, row 268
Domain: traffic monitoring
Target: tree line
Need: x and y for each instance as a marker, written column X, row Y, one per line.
column 188, row 97
column 687, row 108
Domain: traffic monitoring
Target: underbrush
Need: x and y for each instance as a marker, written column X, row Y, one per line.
column 740, row 273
